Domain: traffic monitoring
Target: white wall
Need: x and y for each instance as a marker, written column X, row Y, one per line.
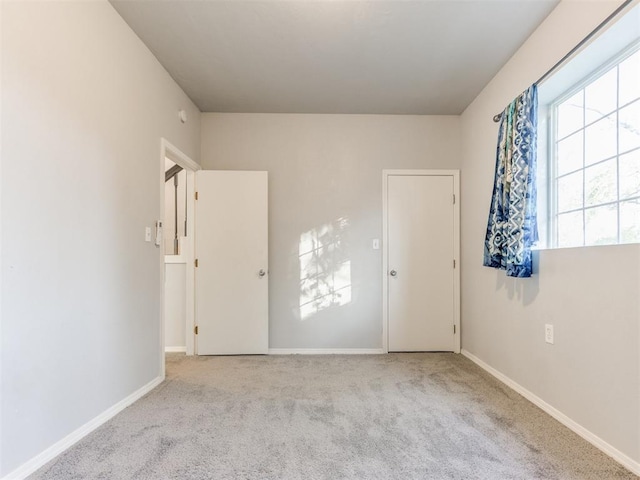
column 325, row 172
column 84, row 105
column 591, row 295
column 175, row 305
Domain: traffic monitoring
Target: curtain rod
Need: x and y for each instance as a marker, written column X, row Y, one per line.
column 496, row 118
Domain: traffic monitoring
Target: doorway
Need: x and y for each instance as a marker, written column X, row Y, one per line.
column 421, row 280
column 177, row 176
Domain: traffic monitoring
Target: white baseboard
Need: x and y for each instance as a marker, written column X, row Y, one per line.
column 590, row 437
column 175, row 349
column 325, row 351
column 60, row 446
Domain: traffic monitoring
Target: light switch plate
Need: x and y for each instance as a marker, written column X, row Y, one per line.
column 548, row 333
column 376, row 244
column 147, row 234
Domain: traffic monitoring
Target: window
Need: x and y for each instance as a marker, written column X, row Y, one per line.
column 595, row 157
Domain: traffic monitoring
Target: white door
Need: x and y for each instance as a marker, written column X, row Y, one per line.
column 231, row 284
column 420, row 269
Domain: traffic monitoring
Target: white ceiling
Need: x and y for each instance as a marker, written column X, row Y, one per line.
column 333, row 56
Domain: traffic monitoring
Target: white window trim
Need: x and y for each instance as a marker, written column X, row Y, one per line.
column 552, row 139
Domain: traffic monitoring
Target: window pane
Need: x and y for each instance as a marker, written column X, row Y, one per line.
column 630, row 79
column 630, row 221
column 570, row 153
column 570, row 192
column 600, row 183
column 601, row 96
column 601, row 225
column 600, row 140
column 630, row 127
column 630, row 175
column 570, row 115
column 570, row 229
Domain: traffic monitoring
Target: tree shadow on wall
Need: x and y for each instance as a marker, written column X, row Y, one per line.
column 325, row 268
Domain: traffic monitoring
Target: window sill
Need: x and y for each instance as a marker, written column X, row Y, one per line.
column 546, row 248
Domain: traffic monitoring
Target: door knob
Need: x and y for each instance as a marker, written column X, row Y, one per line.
column 393, row 273
column 261, row 273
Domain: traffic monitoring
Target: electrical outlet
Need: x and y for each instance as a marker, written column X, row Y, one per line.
column 548, row 333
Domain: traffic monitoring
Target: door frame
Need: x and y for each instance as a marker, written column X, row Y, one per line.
column 385, row 249
column 168, row 150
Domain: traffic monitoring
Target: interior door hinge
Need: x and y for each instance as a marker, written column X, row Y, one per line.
column 454, row 329
column 454, row 263
column 454, row 198
column 195, row 262
column 196, row 195
column 195, row 329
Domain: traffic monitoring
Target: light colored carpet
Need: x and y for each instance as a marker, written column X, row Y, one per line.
column 397, row 416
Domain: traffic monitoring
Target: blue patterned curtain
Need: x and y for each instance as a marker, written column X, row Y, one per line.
column 512, row 228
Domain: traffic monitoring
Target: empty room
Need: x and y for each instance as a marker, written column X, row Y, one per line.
column 320, row 239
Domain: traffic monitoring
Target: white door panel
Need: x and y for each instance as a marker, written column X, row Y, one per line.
column 231, row 248
column 420, row 262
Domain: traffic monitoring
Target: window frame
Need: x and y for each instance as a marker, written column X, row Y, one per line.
column 552, row 149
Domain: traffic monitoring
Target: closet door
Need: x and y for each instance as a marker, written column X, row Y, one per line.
column 420, row 267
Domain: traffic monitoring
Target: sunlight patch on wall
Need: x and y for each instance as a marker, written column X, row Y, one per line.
column 325, row 270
